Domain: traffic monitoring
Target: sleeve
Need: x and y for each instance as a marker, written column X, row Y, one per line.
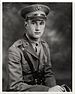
column 49, row 75
column 16, row 82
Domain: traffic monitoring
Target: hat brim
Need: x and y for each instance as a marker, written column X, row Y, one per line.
column 36, row 18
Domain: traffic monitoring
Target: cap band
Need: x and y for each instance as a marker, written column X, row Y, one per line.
column 36, row 18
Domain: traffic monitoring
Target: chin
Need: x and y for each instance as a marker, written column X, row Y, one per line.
column 37, row 36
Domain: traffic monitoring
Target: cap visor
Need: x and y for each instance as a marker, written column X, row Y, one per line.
column 37, row 18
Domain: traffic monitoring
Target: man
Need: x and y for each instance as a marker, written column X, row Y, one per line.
column 29, row 58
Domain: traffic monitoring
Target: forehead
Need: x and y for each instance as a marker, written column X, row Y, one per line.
column 36, row 13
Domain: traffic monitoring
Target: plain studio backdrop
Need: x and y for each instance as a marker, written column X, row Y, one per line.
column 58, row 34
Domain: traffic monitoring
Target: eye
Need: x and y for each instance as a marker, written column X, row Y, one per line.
column 33, row 22
column 42, row 22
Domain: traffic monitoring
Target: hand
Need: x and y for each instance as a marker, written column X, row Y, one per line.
column 56, row 88
column 67, row 89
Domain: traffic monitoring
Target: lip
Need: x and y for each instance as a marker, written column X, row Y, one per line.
column 37, row 33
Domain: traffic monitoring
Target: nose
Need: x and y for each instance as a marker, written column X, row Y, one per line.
column 37, row 27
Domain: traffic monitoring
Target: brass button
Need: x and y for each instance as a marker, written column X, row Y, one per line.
column 36, row 81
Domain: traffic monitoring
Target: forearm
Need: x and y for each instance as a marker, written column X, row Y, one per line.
column 49, row 76
column 20, row 86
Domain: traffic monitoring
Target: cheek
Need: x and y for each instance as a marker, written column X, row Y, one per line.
column 42, row 28
column 32, row 28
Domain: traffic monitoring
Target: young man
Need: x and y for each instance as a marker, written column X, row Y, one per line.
column 29, row 58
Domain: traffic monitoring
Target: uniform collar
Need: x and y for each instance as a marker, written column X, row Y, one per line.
column 28, row 46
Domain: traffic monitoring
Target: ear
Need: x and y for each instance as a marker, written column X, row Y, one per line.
column 25, row 23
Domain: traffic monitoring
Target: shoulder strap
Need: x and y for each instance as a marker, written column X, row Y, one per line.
column 29, row 61
column 34, row 73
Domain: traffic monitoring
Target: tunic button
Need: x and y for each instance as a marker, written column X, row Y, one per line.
column 36, row 81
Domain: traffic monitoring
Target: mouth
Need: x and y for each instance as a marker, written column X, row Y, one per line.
column 37, row 33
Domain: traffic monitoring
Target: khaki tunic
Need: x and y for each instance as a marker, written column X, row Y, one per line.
column 20, row 75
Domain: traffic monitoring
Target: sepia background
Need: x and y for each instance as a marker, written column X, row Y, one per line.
column 58, row 34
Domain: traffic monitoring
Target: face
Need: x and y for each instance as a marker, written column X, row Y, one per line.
column 35, row 28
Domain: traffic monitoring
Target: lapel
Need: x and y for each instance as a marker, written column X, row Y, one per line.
column 43, row 57
column 28, row 47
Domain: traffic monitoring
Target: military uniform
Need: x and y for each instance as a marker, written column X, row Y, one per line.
column 28, row 62
column 20, row 75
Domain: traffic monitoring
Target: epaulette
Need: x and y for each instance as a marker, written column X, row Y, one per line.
column 20, row 42
column 17, row 43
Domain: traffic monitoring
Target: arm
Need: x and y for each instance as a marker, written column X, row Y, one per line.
column 16, row 82
column 49, row 76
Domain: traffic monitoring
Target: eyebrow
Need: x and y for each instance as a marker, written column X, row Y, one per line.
column 42, row 14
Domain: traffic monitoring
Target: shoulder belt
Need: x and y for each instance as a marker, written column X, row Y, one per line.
column 29, row 61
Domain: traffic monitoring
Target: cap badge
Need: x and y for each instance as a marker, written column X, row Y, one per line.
column 38, row 8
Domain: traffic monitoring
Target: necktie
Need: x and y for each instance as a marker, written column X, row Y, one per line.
column 36, row 45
